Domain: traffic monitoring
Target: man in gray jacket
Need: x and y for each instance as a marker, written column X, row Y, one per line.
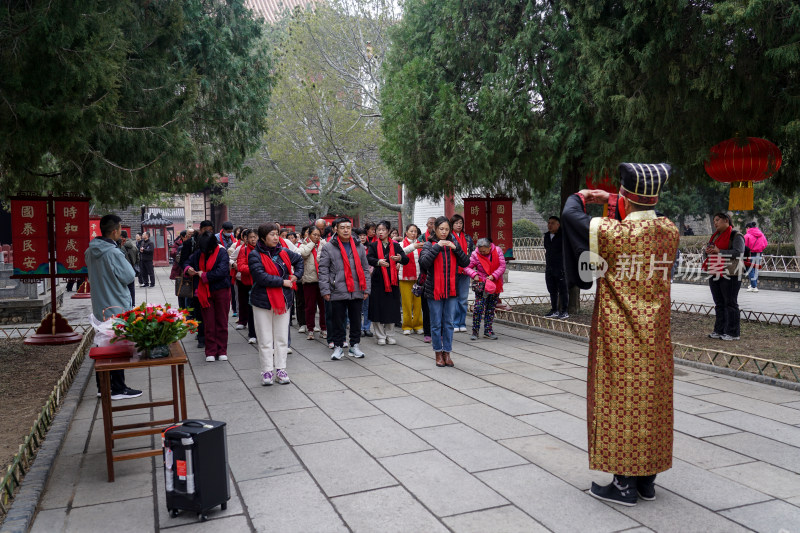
column 345, row 286
column 110, row 273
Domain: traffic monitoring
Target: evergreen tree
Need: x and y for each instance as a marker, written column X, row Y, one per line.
column 120, row 99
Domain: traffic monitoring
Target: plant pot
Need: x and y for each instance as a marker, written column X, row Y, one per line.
column 156, row 352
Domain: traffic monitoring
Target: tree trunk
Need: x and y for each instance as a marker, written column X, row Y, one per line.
column 570, row 184
column 409, row 201
column 796, row 228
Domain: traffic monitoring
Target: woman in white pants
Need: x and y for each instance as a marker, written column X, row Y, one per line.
column 275, row 271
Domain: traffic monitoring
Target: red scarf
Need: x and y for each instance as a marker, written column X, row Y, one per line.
column 410, row 270
column 316, row 263
column 372, row 239
column 444, row 288
column 246, row 251
column 203, row 290
column 461, row 240
column 387, row 284
column 283, row 243
column 490, row 266
column 275, row 294
column 715, row 264
column 348, row 275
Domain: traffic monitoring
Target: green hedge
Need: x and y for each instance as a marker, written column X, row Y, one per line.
column 695, row 242
column 526, row 228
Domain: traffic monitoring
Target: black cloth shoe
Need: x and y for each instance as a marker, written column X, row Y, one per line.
column 201, row 343
column 552, row 314
column 126, row 394
column 646, row 487
column 366, row 333
column 621, row 490
column 562, row 315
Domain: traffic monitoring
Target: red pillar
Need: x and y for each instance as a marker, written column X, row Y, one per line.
column 449, row 206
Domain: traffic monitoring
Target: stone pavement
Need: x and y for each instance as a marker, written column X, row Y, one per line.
column 392, row 443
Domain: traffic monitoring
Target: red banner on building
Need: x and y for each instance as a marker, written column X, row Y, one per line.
column 500, row 222
column 72, row 235
column 94, row 228
column 30, row 245
column 475, row 218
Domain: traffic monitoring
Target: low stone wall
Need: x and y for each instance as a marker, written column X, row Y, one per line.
column 779, row 281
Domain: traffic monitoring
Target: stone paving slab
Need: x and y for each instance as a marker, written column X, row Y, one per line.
column 390, row 441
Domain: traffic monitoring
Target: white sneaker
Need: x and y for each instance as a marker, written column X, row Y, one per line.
column 252, row 340
column 420, row 331
column 289, row 350
column 281, row 377
column 356, row 352
column 381, row 342
column 210, row 359
column 302, row 329
column 316, row 328
column 323, row 334
column 406, row 332
column 755, row 289
column 222, row 358
column 267, row 378
column 239, row 326
column 391, row 340
column 337, row 354
column 749, row 289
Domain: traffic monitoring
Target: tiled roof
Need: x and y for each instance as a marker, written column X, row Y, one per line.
column 271, row 9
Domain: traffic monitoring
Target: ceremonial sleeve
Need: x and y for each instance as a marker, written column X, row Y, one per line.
column 575, row 224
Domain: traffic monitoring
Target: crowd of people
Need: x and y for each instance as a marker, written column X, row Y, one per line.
column 343, row 284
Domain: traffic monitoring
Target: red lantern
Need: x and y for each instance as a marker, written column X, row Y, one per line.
column 741, row 162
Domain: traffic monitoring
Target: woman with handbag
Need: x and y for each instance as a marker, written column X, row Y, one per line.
column 722, row 260
column 274, row 270
column 486, row 268
column 440, row 259
column 210, row 264
column 412, row 304
column 244, row 283
column 313, row 298
column 384, row 305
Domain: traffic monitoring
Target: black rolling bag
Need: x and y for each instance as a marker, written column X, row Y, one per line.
column 196, row 467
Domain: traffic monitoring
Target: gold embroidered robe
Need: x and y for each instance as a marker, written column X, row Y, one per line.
column 630, row 374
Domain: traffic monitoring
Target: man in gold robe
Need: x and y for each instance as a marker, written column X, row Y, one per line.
column 630, row 374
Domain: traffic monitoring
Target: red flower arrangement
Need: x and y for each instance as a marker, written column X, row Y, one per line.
column 153, row 326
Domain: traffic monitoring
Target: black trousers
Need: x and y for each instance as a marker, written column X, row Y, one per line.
column 117, row 381
column 148, row 273
column 426, row 316
column 245, row 309
column 234, row 306
column 198, row 315
column 557, row 287
column 340, row 310
column 132, row 288
column 726, row 305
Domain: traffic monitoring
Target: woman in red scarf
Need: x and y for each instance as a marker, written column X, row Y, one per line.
column 486, row 267
column 244, row 282
column 464, row 241
column 275, row 271
column 722, row 251
column 313, row 298
column 412, row 305
column 211, row 263
column 440, row 259
column 384, row 304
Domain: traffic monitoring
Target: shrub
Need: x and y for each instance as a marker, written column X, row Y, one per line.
column 526, row 228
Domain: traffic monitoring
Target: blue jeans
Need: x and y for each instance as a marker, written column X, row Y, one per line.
column 462, row 294
column 755, row 260
column 365, row 322
column 441, row 313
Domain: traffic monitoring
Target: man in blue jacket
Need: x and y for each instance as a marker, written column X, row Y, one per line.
column 110, row 273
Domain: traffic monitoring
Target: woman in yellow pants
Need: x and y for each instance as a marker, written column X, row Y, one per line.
column 412, row 305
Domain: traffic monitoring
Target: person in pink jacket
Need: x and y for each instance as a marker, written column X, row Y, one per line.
column 486, row 268
column 757, row 242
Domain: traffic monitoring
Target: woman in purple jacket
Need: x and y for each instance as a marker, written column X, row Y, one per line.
column 486, row 268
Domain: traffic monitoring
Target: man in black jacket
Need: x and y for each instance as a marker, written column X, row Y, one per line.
column 146, row 249
column 187, row 250
column 554, row 270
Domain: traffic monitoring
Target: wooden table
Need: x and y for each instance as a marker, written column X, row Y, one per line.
column 176, row 360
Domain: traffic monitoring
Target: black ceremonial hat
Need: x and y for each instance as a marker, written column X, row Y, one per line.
column 641, row 182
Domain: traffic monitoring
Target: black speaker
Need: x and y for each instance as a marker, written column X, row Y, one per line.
column 196, row 467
